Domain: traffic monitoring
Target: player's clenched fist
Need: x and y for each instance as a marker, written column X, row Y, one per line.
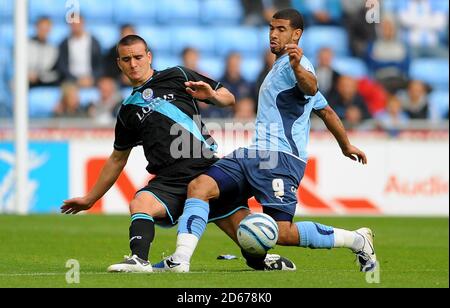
column 295, row 54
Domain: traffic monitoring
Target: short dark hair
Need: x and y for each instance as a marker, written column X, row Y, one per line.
column 293, row 16
column 130, row 40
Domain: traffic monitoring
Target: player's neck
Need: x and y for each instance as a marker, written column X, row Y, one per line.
column 280, row 55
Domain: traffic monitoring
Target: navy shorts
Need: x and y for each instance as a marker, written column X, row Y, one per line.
column 172, row 194
column 272, row 177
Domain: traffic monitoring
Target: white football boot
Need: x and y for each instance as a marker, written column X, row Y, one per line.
column 169, row 265
column 131, row 264
column 366, row 257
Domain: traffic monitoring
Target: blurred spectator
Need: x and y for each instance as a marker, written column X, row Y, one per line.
column 415, row 100
column 425, row 22
column 260, row 12
column 110, row 64
column 80, row 57
column 388, row 57
column 105, row 110
column 190, row 57
column 245, row 110
column 69, row 105
column 347, row 102
column 269, row 60
column 326, row 75
column 373, row 94
column 5, row 104
column 233, row 81
column 393, row 118
column 42, row 56
column 360, row 31
column 320, row 12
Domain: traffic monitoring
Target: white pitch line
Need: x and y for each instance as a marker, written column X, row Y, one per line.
column 205, row 272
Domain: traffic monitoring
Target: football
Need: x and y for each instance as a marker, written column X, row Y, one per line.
column 257, row 234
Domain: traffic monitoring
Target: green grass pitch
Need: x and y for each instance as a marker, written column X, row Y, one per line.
column 413, row 252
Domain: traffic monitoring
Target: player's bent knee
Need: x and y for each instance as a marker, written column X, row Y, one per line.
column 148, row 205
column 203, row 188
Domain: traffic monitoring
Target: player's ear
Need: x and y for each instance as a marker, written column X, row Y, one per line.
column 118, row 64
column 297, row 35
column 150, row 56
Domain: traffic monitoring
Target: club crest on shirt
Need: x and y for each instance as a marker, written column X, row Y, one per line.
column 147, row 95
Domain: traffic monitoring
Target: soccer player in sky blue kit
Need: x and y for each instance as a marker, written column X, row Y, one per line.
column 272, row 167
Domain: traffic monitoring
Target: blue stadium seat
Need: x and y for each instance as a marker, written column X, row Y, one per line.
column 161, row 63
column 7, row 36
column 107, row 35
column 88, row 96
column 186, row 12
column 126, row 92
column 251, row 67
column 213, row 67
column 55, row 9
column 43, row 100
column 318, row 37
column 224, row 12
column 439, row 104
column 245, row 40
column 135, row 12
column 432, row 71
column 6, row 11
column 158, row 39
column 354, row 67
column 200, row 38
column 97, row 11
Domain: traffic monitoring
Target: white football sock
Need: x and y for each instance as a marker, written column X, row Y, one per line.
column 348, row 239
column 186, row 244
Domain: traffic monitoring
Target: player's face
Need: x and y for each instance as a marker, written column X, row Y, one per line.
column 135, row 62
column 281, row 34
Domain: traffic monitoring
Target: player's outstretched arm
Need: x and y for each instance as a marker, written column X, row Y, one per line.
column 306, row 81
column 203, row 91
column 335, row 126
column 108, row 176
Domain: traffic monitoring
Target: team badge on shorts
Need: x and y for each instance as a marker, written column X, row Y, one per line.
column 147, row 95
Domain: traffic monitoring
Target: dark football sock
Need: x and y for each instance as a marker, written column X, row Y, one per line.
column 142, row 233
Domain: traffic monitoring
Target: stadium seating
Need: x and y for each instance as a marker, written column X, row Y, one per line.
column 439, row 104
column 245, row 40
column 137, row 12
column 107, row 35
column 185, row 12
column 198, row 37
column 7, row 36
column 317, row 37
column 432, row 71
column 213, row 67
column 163, row 62
column 353, row 67
column 158, row 39
column 251, row 67
column 97, row 11
column 88, row 96
column 126, row 92
column 6, row 11
column 222, row 12
column 42, row 101
column 55, row 9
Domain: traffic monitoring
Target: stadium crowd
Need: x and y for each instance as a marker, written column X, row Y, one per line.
column 392, row 71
